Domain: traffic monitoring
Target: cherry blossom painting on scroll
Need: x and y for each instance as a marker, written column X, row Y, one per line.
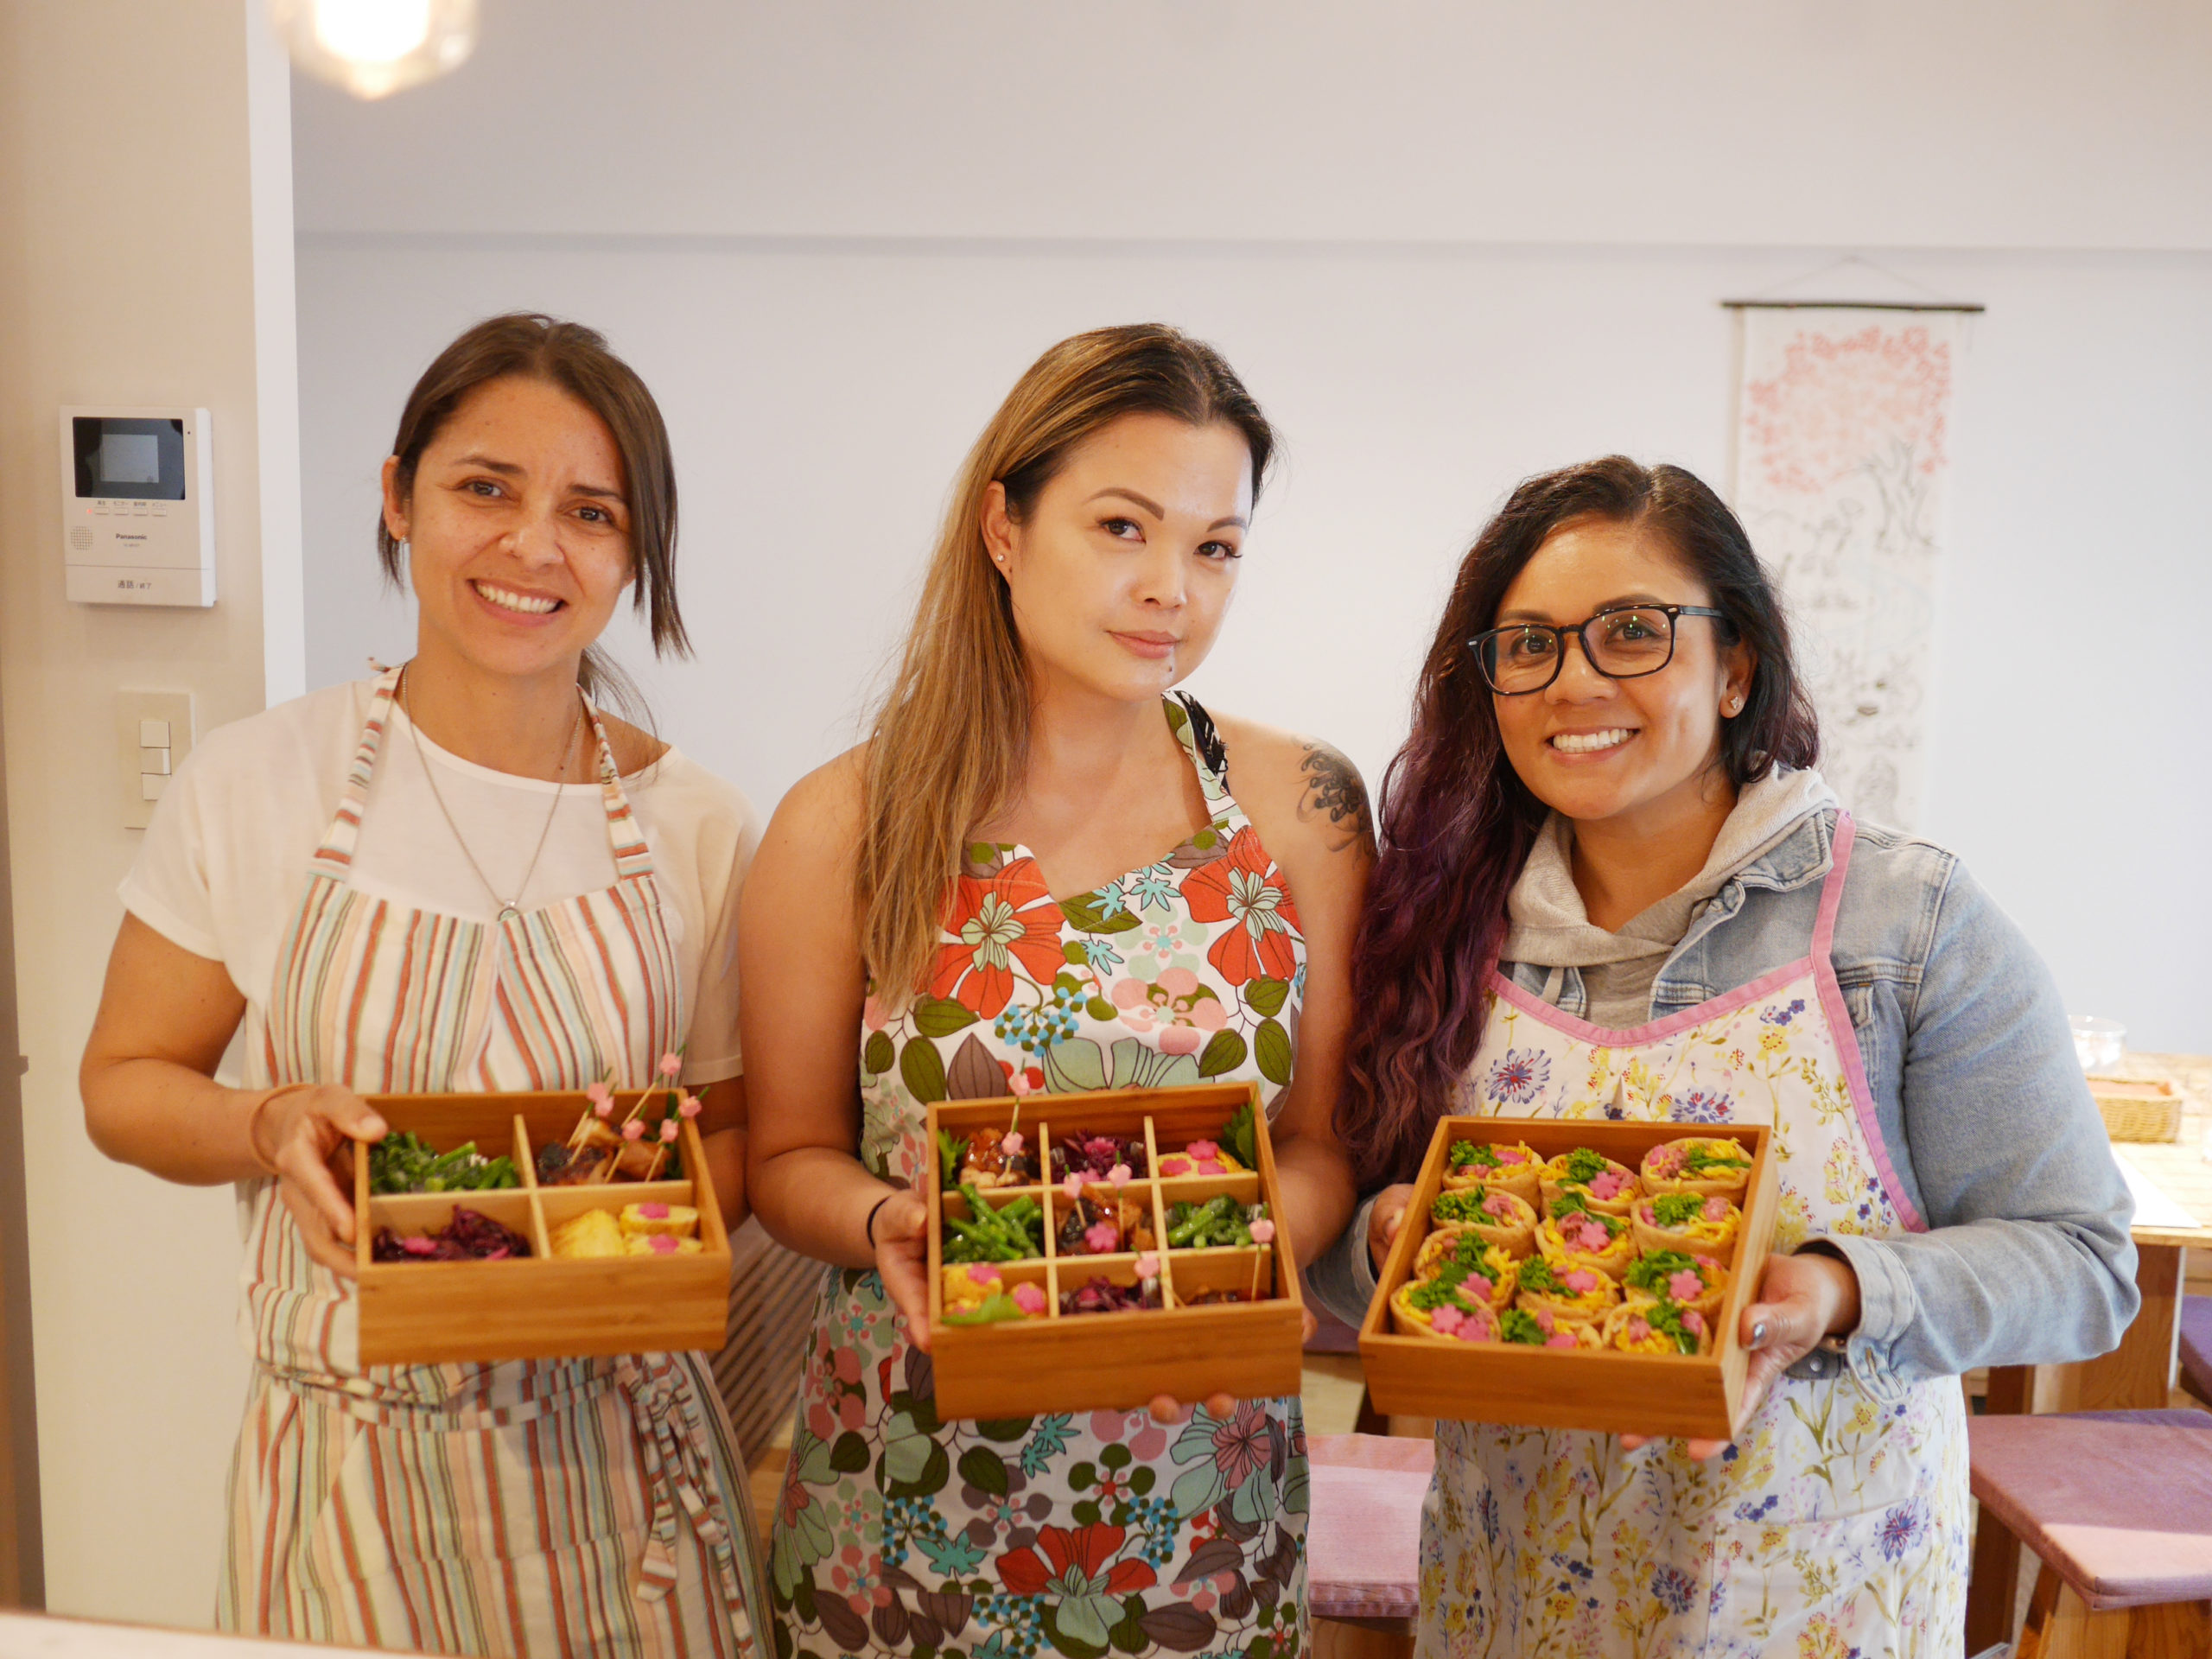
column 1842, row 468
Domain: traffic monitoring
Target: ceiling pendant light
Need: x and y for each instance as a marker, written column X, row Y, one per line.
column 375, row 48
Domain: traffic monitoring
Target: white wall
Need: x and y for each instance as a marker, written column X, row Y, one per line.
column 145, row 196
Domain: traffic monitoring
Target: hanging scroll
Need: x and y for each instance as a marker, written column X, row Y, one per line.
column 1842, row 470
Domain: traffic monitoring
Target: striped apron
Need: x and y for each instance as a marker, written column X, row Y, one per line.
column 553, row 1507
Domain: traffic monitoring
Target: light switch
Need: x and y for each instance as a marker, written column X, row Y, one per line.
column 153, row 731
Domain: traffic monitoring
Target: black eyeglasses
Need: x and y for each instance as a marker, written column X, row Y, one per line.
column 1629, row 641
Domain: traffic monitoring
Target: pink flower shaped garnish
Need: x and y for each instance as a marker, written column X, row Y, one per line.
column 1639, row 1329
column 670, row 1065
column 1149, row 1265
column 1581, row 1281
column 1716, row 1209
column 1476, row 1285
column 633, row 1130
column 1173, row 1164
column 1263, row 1231
column 1500, row 1205
column 418, row 1247
column 1563, row 1339
column 1119, row 1175
column 1685, row 1285
column 1510, row 1155
column 1665, row 1160
column 1447, row 1320
column 669, row 1130
column 687, row 1104
column 1202, row 1150
column 662, row 1244
column 1544, row 1321
column 1029, row 1300
column 1104, row 1237
column 1608, row 1184
column 653, row 1211
column 600, row 1095
column 1475, row 1328
column 603, row 1108
column 1010, row 1143
column 1072, row 1185
column 1711, row 1264
column 983, row 1272
column 1593, row 1237
column 1693, row 1321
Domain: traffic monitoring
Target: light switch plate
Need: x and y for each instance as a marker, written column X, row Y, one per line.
column 131, row 707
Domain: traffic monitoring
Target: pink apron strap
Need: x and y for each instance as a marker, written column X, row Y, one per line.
column 633, row 857
column 1832, row 888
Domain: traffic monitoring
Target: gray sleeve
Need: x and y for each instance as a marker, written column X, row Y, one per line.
column 1343, row 1278
column 2027, row 1259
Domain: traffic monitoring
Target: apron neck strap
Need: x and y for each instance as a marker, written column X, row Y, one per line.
column 1832, row 887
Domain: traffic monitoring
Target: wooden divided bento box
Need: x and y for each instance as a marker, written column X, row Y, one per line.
column 1566, row 1372
column 1074, row 1294
column 541, row 1305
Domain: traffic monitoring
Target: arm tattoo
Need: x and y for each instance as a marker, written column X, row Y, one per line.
column 1333, row 787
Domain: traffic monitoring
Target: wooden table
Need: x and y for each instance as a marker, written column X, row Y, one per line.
column 2138, row 1375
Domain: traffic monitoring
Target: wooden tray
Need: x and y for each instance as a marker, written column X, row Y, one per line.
column 1096, row 1362
column 1616, row 1393
column 538, row 1307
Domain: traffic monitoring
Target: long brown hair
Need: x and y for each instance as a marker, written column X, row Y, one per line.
column 1457, row 823
column 576, row 359
column 951, row 741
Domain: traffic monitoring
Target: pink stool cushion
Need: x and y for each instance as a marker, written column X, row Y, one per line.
column 2121, row 1509
column 1363, row 1543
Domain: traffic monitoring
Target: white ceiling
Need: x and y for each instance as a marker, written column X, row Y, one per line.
column 1895, row 123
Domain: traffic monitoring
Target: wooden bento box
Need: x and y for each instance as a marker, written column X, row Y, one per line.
column 539, row 1307
column 1186, row 1347
column 1604, row 1389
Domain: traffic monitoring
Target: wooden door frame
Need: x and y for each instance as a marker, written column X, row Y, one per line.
column 23, row 1553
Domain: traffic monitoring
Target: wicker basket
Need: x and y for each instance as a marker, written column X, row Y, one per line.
column 2138, row 1110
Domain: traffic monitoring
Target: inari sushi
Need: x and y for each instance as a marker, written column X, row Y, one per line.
column 1507, row 1165
column 1707, row 1166
column 1433, row 1308
column 1573, row 1237
column 1497, row 1215
column 1568, row 1294
column 1686, row 1223
column 1660, row 1327
column 1458, row 1256
column 1697, row 1281
column 1543, row 1329
column 1599, row 1182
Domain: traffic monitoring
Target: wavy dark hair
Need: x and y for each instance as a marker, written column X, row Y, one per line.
column 1457, row 823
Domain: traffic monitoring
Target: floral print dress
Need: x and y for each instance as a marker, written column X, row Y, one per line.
column 1071, row 1534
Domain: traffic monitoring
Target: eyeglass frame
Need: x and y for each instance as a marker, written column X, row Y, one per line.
column 1580, row 629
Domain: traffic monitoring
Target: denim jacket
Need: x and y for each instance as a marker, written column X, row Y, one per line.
column 1980, row 1099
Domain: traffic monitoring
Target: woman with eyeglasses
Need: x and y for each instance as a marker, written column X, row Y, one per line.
column 1612, row 885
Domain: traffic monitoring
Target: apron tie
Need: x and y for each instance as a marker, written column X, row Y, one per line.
column 670, row 1433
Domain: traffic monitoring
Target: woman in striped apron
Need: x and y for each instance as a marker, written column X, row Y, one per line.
column 507, row 892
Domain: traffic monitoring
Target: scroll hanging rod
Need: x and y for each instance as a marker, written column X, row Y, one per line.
column 1851, row 305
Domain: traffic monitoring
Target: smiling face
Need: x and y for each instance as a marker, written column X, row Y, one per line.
column 1637, row 753
column 1122, row 570
column 518, row 530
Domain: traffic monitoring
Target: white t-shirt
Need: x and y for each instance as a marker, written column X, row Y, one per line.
column 225, row 859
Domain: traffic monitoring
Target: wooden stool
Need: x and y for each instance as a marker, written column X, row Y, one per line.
column 1363, row 1543
column 2117, row 1505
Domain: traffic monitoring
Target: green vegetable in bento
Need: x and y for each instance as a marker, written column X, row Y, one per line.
column 1584, row 1167
column 1218, row 1223
column 1241, row 1138
column 402, row 1163
column 1016, row 1233
column 951, row 1153
column 1676, row 1209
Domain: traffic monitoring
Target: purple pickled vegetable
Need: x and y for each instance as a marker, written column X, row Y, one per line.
column 1104, row 1296
column 1092, row 1155
column 470, row 1236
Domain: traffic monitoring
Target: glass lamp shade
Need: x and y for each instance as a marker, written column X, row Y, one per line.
column 375, row 48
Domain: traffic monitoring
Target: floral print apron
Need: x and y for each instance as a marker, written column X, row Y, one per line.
column 1836, row 1526
column 541, row 1507
column 898, row 1534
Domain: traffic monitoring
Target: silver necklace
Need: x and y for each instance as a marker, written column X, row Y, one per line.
column 508, row 907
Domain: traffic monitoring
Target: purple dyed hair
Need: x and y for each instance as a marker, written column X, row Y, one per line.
column 1457, row 822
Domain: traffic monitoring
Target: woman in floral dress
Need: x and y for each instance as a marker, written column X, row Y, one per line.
column 1034, row 878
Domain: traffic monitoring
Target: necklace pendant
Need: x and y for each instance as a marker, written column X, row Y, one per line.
column 508, row 912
